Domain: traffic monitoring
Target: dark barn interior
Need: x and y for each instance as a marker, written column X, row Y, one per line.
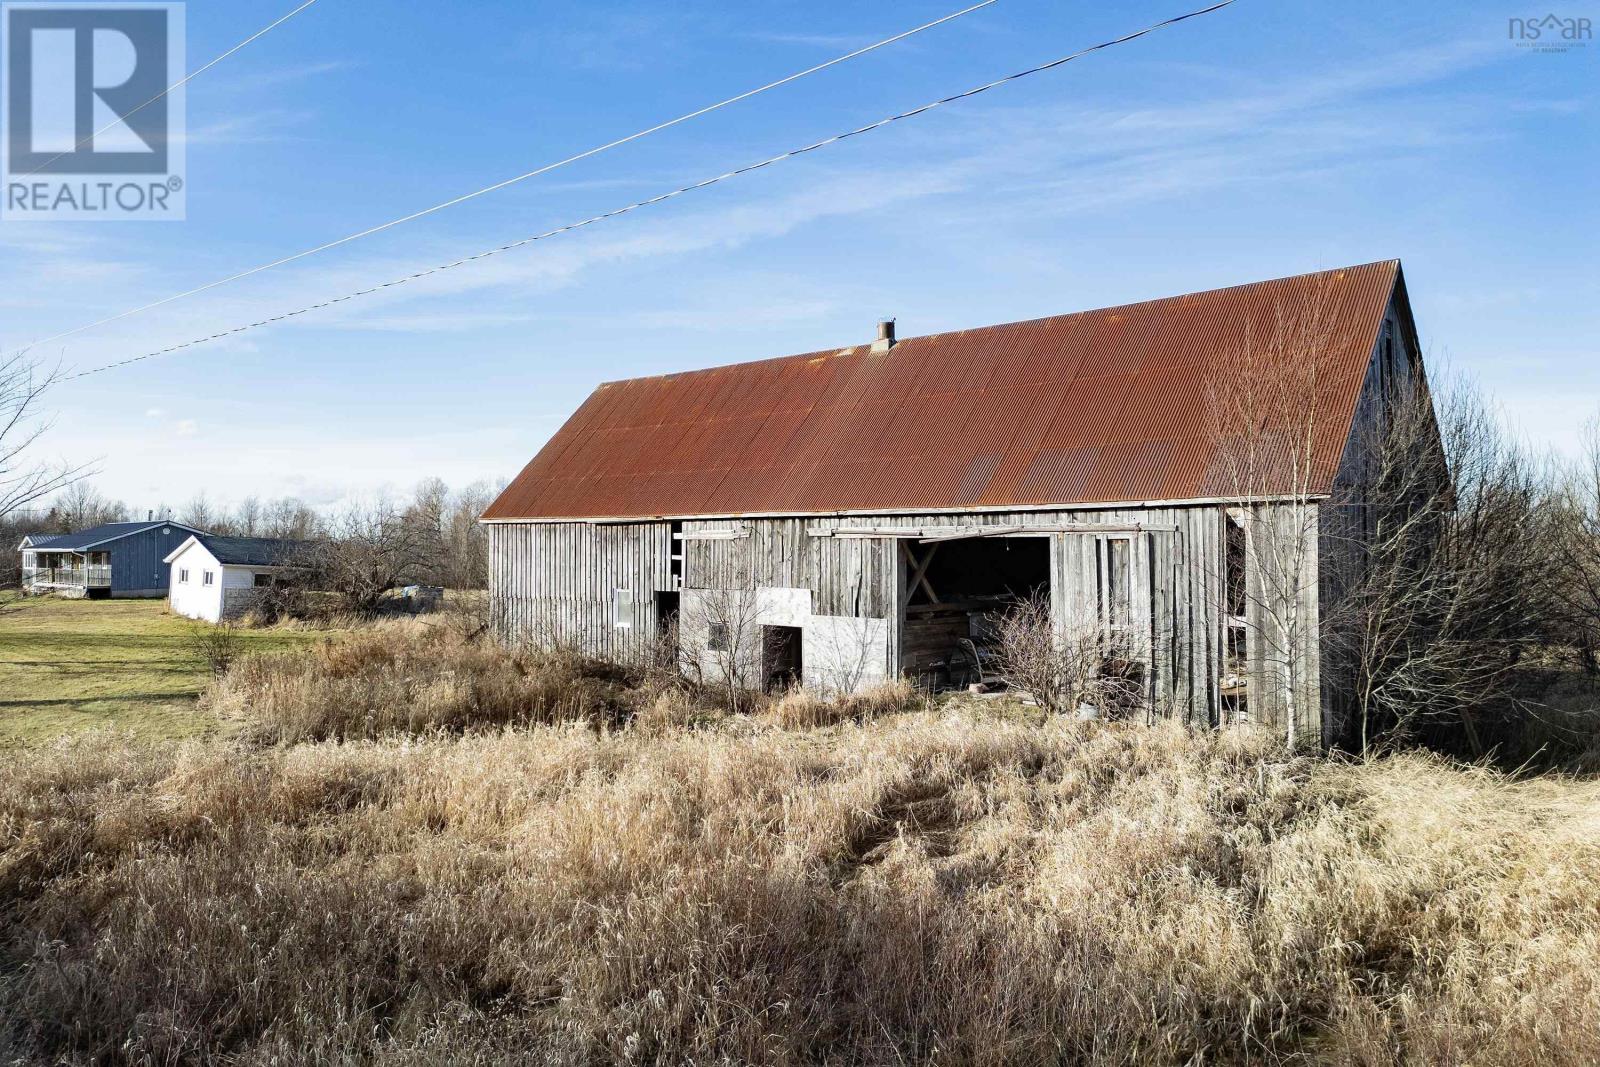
column 956, row 590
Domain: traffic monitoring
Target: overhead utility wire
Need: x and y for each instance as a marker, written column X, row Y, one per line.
column 163, row 93
column 657, row 199
column 547, row 168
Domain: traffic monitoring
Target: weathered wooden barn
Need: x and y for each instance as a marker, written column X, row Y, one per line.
column 1175, row 475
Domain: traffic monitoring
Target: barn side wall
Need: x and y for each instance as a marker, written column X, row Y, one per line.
column 559, row 581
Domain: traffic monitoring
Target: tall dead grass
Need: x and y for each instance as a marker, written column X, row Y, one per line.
column 410, row 676
column 916, row 887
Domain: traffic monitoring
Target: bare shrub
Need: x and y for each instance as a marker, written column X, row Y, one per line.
column 289, row 596
column 217, row 646
column 469, row 615
column 847, row 650
column 1062, row 671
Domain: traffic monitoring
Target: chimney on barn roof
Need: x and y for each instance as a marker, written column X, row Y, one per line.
column 885, row 339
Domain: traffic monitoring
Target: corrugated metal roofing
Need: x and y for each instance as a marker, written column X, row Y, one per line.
column 1106, row 406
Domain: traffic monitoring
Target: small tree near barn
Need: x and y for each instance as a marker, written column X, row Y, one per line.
column 1267, row 416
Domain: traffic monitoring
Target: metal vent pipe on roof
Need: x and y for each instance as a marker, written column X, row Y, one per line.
column 885, row 339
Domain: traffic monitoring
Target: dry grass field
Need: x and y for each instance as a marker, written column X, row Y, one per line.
column 412, row 851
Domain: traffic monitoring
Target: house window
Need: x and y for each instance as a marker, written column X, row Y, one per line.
column 208, row 578
column 622, row 608
column 183, row 575
column 717, row 638
column 260, row 579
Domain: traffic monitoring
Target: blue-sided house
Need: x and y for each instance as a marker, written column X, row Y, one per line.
column 116, row 559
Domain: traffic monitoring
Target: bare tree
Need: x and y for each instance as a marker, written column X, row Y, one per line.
column 372, row 549
column 465, row 563
column 22, row 479
column 455, row 544
column 722, row 639
column 80, row 506
column 291, row 519
column 199, row 513
column 248, row 517
column 1268, row 403
column 1579, row 539
column 1450, row 574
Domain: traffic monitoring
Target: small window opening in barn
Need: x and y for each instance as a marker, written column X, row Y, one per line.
column 183, row 575
column 1124, row 655
column 780, row 657
column 622, row 608
column 1236, row 655
column 261, row 580
column 208, row 578
column 955, row 591
column 667, row 610
column 717, row 637
column 1114, row 561
column 675, row 563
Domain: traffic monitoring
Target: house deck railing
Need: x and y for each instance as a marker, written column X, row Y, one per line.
column 88, row 576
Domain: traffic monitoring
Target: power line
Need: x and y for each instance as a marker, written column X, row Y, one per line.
column 547, row 168
column 591, row 220
column 163, row 93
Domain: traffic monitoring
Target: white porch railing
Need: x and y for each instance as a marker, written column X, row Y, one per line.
column 87, row 576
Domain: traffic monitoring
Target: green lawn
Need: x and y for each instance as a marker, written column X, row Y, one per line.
column 70, row 665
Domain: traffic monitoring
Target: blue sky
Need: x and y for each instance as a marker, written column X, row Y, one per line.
column 1268, row 139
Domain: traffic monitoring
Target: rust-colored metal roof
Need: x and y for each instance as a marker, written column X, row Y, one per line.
column 1142, row 402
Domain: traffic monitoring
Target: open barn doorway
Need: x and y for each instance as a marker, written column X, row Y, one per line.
column 781, row 667
column 955, row 590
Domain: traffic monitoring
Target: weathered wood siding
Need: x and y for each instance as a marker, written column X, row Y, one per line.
column 556, row 581
column 1283, row 625
column 853, row 577
column 553, row 582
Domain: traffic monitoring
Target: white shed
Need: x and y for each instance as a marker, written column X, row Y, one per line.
column 217, row 578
